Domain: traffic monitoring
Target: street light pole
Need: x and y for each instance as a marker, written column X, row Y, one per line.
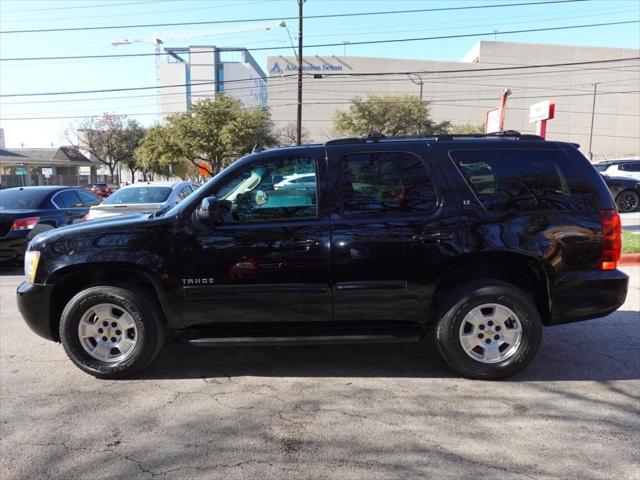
column 593, row 114
column 419, row 82
column 299, row 113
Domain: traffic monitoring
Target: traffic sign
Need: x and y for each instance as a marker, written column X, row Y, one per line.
column 541, row 111
column 492, row 120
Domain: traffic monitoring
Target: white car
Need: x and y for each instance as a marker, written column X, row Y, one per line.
column 142, row 197
column 297, row 180
column 628, row 167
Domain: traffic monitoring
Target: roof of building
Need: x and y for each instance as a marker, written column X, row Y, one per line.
column 61, row 156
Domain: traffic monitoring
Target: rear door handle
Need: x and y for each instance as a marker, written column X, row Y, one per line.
column 303, row 245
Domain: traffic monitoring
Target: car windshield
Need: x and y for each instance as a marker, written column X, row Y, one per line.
column 145, row 194
column 601, row 168
column 17, row 198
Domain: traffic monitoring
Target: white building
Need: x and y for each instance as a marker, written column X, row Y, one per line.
column 200, row 72
column 464, row 91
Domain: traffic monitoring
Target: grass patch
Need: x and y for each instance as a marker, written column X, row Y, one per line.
column 630, row 242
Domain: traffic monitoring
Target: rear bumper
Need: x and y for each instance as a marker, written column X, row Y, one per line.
column 580, row 296
column 13, row 246
column 33, row 304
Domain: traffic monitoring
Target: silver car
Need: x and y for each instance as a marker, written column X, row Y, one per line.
column 142, row 197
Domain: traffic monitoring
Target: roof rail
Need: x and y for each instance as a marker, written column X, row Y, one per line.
column 377, row 136
column 371, row 138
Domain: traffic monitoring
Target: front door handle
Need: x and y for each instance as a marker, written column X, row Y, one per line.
column 433, row 236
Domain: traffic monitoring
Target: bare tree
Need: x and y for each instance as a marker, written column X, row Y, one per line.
column 105, row 138
column 287, row 135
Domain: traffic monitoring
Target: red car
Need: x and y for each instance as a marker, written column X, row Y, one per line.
column 102, row 189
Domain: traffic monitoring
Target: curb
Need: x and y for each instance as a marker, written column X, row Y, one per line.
column 631, row 259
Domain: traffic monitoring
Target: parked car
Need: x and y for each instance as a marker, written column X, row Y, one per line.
column 142, row 197
column 629, row 168
column 102, row 189
column 625, row 191
column 26, row 211
column 297, row 181
column 478, row 240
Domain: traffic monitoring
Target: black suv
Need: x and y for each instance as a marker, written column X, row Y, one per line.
column 480, row 240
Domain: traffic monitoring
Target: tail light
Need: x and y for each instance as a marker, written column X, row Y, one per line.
column 25, row 223
column 611, row 239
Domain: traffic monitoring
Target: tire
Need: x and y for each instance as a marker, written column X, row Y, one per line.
column 119, row 317
column 627, row 201
column 505, row 347
column 39, row 228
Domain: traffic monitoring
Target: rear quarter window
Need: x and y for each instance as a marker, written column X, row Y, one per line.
column 524, row 180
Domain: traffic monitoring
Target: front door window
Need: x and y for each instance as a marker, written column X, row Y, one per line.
column 277, row 189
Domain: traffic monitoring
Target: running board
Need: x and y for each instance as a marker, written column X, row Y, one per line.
column 310, row 340
column 295, row 336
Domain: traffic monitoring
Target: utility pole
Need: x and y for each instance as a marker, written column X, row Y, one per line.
column 593, row 114
column 299, row 114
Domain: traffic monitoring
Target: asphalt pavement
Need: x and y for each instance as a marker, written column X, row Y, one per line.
column 344, row 412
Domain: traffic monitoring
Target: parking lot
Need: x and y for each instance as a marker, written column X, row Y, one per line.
column 383, row 411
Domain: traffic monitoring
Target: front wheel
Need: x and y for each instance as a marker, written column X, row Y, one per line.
column 488, row 329
column 627, row 201
column 111, row 332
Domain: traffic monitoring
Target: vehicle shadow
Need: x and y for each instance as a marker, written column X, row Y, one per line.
column 594, row 350
column 10, row 269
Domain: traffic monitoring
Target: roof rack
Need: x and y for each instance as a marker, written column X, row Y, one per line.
column 375, row 137
column 371, row 138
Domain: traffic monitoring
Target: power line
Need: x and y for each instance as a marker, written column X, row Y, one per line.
column 343, row 102
column 247, row 20
column 319, row 45
column 76, row 7
column 249, row 39
column 213, row 82
column 288, row 87
column 155, row 12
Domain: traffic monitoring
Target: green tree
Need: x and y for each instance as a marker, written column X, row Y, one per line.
column 155, row 152
column 390, row 115
column 467, row 128
column 213, row 133
column 127, row 141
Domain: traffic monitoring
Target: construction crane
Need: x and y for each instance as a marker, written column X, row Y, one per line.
column 158, row 39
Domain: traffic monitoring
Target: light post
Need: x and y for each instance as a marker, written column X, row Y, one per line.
column 416, row 82
column 593, row 114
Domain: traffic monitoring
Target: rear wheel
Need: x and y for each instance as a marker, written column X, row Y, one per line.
column 627, row 201
column 488, row 329
column 111, row 332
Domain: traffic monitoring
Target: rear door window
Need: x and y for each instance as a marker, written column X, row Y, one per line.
column 88, row 199
column 67, row 199
column 630, row 167
column 184, row 192
column 524, row 180
column 385, row 182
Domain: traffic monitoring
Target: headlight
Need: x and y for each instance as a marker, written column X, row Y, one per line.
column 31, row 258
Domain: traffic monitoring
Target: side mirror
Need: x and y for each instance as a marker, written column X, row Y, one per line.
column 209, row 211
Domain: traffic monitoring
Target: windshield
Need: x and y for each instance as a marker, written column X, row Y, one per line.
column 138, row 195
column 16, row 198
column 601, row 168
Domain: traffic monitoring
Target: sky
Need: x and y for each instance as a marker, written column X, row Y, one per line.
column 18, row 77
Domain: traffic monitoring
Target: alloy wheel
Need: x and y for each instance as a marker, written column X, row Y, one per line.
column 108, row 332
column 490, row 333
